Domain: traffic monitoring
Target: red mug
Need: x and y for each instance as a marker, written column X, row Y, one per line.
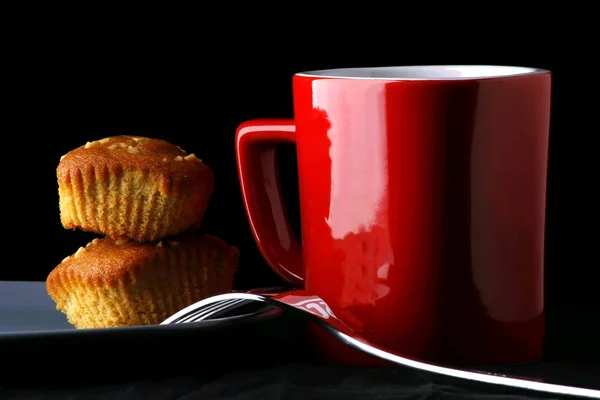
column 422, row 204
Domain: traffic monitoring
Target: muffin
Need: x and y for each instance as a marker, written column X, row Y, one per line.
column 133, row 187
column 111, row 283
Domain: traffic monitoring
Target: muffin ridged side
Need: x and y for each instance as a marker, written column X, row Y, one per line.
column 135, row 187
column 117, row 283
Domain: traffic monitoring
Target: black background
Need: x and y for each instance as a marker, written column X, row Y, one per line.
column 198, row 105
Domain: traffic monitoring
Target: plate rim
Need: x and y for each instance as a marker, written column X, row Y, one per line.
column 263, row 313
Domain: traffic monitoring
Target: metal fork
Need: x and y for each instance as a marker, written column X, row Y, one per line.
column 211, row 308
column 206, row 308
column 201, row 313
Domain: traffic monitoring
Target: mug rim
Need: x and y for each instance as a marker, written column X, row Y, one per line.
column 425, row 72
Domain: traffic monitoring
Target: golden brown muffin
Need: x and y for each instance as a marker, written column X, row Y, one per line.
column 112, row 283
column 135, row 187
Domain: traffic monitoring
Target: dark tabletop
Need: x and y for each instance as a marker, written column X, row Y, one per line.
column 268, row 360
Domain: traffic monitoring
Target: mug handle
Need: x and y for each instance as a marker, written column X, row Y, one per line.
column 255, row 145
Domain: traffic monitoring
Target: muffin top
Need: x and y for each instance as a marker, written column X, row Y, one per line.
column 112, row 154
column 108, row 261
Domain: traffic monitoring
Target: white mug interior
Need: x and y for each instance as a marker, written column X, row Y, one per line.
column 424, row 72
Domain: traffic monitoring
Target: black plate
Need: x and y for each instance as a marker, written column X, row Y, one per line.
column 35, row 338
column 26, row 311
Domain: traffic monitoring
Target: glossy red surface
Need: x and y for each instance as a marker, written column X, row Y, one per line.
column 422, row 207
